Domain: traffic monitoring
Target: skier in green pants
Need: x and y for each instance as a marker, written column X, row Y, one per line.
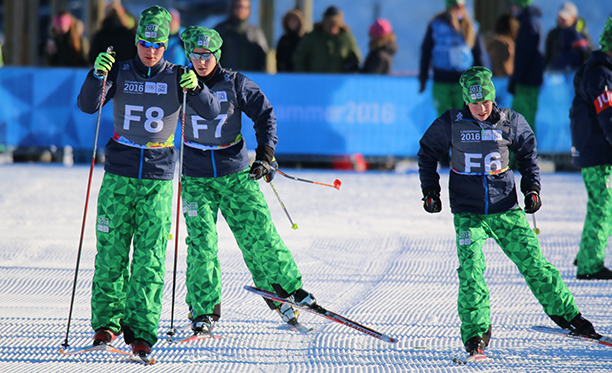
column 591, row 127
column 134, row 203
column 217, row 178
column 483, row 199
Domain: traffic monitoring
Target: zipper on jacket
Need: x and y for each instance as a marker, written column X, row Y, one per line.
column 214, row 164
column 486, row 192
column 141, row 163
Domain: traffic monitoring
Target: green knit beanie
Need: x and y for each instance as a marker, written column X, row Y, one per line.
column 200, row 37
column 522, row 3
column 452, row 3
column 605, row 39
column 154, row 24
column 477, row 85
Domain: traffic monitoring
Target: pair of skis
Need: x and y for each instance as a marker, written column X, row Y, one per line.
column 138, row 358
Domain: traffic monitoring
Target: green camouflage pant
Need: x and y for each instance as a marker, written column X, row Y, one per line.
column 598, row 221
column 245, row 209
column 525, row 102
column 512, row 233
column 139, row 211
column 447, row 96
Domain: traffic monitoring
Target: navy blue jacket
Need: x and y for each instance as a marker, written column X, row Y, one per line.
column 149, row 163
column 250, row 100
column 592, row 130
column 480, row 194
column 528, row 59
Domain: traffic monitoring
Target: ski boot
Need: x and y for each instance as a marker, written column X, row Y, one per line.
column 104, row 336
column 202, row 325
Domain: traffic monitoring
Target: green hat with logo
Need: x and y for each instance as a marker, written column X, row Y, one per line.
column 200, row 37
column 477, row 85
column 605, row 39
column 154, row 24
column 522, row 3
column 452, row 3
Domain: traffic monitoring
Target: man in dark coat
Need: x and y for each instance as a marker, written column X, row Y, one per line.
column 245, row 46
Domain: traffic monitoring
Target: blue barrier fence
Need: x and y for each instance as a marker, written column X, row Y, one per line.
column 316, row 114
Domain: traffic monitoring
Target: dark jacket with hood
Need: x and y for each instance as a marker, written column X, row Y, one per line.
column 380, row 58
column 591, row 112
column 486, row 192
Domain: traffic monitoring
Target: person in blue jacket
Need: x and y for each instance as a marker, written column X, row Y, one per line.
column 528, row 74
column 217, row 177
column 483, row 200
column 135, row 199
column 591, row 129
column 451, row 45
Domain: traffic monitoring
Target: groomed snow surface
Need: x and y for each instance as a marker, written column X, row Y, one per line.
column 367, row 251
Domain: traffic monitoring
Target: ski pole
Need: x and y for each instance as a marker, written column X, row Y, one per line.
column 178, row 209
column 336, row 185
column 91, row 168
column 293, row 225
column 535, row 227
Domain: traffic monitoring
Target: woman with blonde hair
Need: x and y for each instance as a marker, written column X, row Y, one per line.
column 451, row 46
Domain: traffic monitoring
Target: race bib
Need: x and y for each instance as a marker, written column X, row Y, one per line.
column 602, row 102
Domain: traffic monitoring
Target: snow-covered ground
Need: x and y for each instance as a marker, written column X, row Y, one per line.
column 367, row 251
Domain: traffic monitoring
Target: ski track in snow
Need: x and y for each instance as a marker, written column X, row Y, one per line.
column 368, row 252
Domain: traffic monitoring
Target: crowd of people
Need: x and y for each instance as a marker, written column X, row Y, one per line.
column 134, row 204
column 329, row 48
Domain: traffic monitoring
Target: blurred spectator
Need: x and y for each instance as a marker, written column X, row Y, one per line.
column 451, row 46
column 528, row 73
column 66, row 45
column 244, row 45
column 382, row 48
column 175, row 52
column 500, row 45
column 114, row 32
column 329, row 47
column 567, row 48
column 293, row 25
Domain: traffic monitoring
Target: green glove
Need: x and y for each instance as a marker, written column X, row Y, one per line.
column 189, row 80
column 103, row 63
